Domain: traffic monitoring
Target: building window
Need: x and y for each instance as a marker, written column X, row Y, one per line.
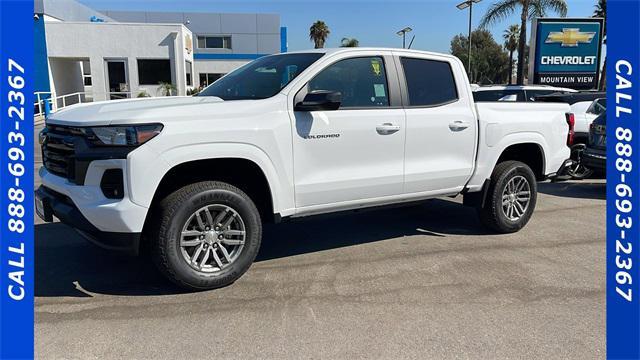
column 214, row 42
column 153, row 72
column 208, row 79
column 189, row 70
column 86, row 72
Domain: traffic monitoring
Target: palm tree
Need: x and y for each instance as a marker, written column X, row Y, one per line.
column 349, row 42
column 530, row 9
column 601, row 12
column 318, row 33
column 511, row 36
column 167, row 88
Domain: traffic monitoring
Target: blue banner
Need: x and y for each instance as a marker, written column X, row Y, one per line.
column 623, row 182
column 16, row 179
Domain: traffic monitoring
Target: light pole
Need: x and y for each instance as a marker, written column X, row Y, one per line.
column 403, row 33
column 463, row 5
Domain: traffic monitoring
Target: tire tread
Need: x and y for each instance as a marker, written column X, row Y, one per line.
column 489, row 214
column 165, row 212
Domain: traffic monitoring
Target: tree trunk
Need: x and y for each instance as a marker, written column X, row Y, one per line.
column 522, row 42
column 510, row 66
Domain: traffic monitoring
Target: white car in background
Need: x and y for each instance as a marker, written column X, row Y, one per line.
column 515, row 93
column 584, row 113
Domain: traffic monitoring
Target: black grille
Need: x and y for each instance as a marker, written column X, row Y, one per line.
column 58, row 150
column 68, row 151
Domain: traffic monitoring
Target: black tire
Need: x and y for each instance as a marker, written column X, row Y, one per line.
column 174, row 212
column 492, row 214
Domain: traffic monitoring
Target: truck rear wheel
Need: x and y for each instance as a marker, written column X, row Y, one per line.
column 511, row 197
column 207, row 235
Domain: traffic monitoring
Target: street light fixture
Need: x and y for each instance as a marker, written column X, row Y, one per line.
column 463, row 5
column 404, row 32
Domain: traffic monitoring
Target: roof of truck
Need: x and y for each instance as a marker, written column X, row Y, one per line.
column 523, row 87
column 358, row 49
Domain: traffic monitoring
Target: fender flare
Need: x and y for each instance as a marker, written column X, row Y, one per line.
column 493, row 153
column 209, row 151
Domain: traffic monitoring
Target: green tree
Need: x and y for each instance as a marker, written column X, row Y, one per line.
column 529, row 9
column 318, row 33
column 601, row 12
column 349, row 42
column 511, row 36
column 489, row 61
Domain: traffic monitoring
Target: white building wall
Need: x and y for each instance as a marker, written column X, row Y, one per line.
column 101, row 41
column 66, row 78
column 251, row 34
column 217, row 66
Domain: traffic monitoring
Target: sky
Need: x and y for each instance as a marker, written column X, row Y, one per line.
column 372, row 22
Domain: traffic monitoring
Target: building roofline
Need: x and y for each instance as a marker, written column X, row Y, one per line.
column 186, row 12
column 355, row 49
column 118, row 23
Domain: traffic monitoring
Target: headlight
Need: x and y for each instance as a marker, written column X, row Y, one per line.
column 122, row 135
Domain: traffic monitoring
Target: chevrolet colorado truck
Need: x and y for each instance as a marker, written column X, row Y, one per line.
column 285, row 136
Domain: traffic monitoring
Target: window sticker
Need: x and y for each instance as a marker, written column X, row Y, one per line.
column 376, row 67
column 378, row 89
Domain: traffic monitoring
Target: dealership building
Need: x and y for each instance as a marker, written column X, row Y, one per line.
column 82, row 54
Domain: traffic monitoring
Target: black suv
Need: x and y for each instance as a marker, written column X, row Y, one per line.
column 595, row 155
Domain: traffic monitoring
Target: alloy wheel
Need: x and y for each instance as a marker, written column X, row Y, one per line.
column 212, row 238
column 516, row 197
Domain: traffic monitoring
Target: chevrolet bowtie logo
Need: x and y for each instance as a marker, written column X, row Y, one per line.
column 570, row 37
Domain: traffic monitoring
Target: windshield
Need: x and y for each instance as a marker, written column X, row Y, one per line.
column 262, row 78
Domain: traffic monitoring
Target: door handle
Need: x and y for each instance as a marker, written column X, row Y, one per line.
column 459, row 125
column 387, row 128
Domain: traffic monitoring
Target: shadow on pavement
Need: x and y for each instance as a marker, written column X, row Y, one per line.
column 585, row 189
column 437, row 218
column 67, row 265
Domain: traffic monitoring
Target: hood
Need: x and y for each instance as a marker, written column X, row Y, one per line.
column 133, row 111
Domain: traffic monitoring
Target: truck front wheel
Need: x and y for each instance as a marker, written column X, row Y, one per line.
column 206, row 235
column 511, row 197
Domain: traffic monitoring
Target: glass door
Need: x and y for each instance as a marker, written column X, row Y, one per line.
column 117, row 82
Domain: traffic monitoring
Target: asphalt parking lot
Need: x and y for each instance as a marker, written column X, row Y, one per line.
column 418, row 282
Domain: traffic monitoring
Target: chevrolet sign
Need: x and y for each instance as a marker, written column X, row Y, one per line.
column 568, row 60
column 566, row 52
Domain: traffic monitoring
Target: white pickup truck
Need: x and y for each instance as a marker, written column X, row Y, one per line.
column 286, row 136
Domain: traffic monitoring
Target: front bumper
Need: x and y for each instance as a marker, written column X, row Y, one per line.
column 50, row 203
column 109, row 215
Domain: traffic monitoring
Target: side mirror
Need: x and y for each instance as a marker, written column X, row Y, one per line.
column 320, row 100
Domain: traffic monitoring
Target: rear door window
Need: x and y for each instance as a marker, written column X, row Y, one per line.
column 429, row 82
